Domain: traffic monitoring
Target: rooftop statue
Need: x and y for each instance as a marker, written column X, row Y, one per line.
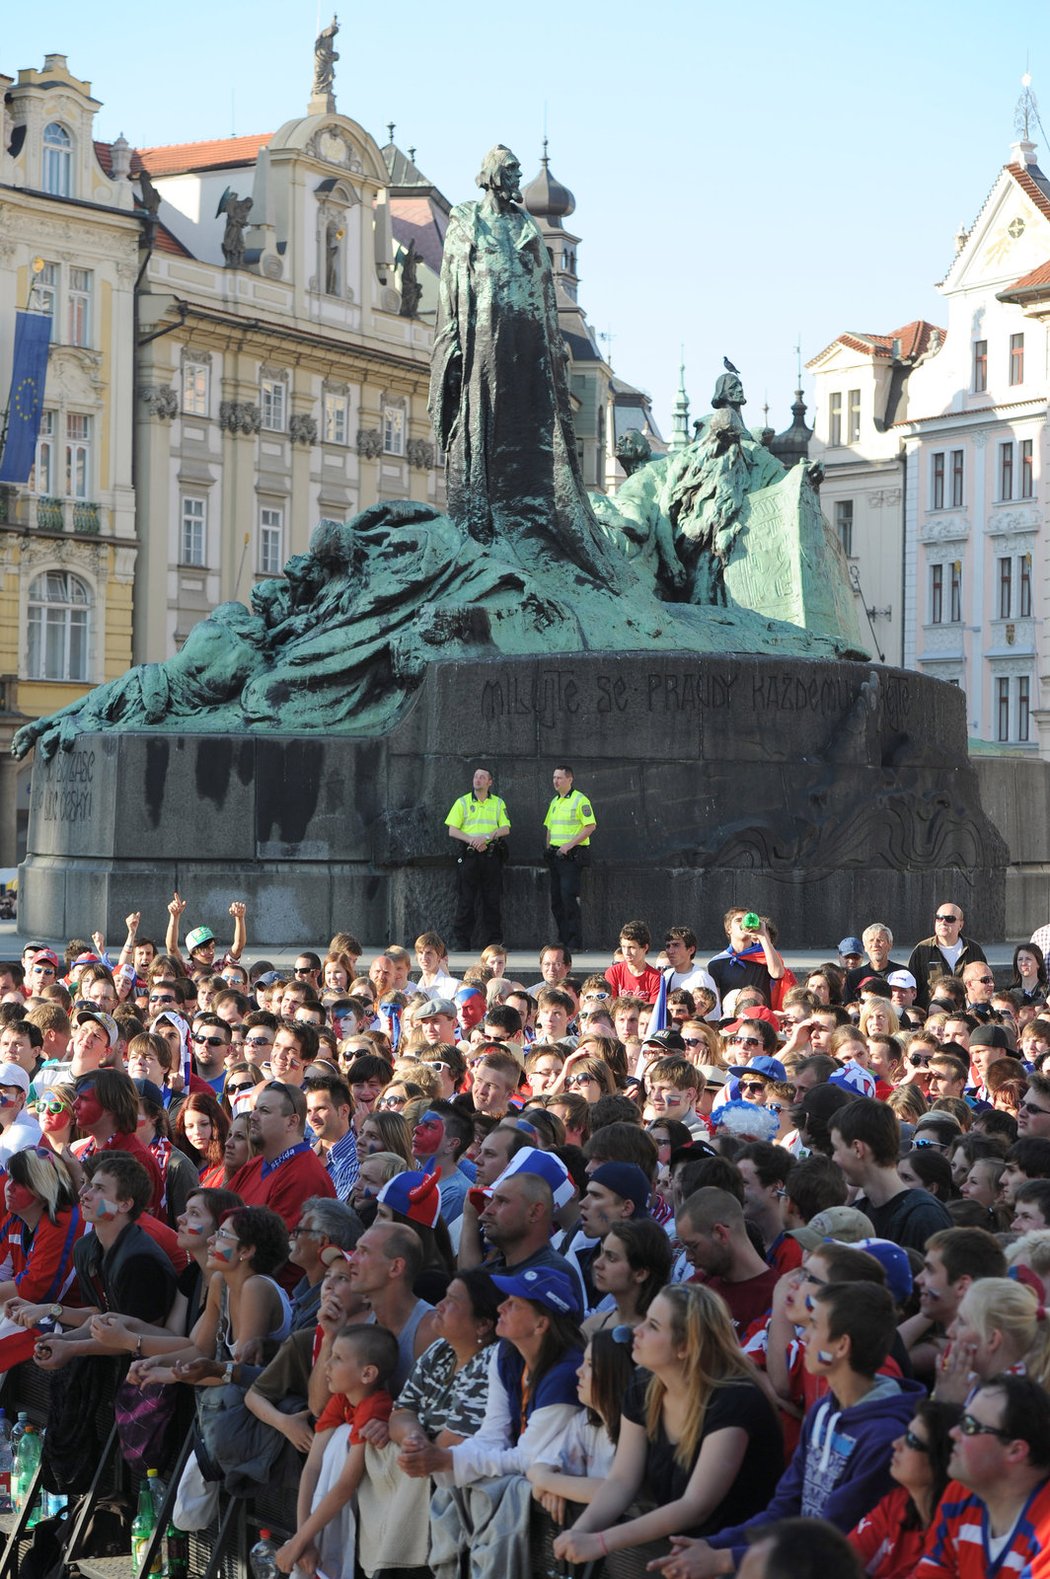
column 715, row 548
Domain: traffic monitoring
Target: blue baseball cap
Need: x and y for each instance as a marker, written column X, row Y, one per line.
column 852, row 946
column 772, row 1068
column 544, row 1285
column 894, row 1262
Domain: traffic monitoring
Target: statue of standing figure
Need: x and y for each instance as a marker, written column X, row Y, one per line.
column 411, row 290
column 236, row 210
column 499, row 388
column 325, row 57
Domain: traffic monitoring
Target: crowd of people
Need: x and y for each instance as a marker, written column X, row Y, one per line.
column 677, row 1267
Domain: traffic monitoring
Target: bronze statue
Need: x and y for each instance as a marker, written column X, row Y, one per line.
column 236, row 210
column 325, row 57
column 499, row 390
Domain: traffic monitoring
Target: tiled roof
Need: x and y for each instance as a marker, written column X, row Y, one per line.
column 1033, row 184
column 164, row 241
column 420, row 220
column 218, row 154
column 1032, row 281
column 914, row 341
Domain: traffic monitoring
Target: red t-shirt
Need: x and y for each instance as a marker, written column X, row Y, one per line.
column 284, row 1188
column 134, row 1148
column 748, row 1301
column 626, row 984
column 43, row 1268
column 340, row 1411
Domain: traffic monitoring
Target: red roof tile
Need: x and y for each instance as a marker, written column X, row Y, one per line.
column 1030, row 188
column 914, row 341
column 217, row 154
column 1031, row 281
column 164, row 241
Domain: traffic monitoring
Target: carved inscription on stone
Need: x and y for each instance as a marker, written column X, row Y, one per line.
column 66, row 794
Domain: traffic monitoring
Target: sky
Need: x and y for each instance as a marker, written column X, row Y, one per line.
column 747, row 178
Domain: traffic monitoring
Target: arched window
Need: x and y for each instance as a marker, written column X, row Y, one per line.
column 58, row 161
column 59, row 606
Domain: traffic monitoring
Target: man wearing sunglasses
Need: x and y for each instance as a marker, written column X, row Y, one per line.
column 209, row 1043
column 945, row 953
column 995, row 1513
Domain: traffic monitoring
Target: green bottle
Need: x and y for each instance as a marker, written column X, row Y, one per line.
column 144, row 1525
column 177, row 1545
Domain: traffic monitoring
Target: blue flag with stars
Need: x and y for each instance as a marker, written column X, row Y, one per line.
column 28, row 375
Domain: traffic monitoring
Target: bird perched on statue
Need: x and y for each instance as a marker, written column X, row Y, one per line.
column 727, row 364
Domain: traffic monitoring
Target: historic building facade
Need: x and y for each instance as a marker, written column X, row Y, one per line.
column 68, row 248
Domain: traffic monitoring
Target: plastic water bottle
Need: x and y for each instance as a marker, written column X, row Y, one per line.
column 27, row 1462
column 144, row 1524
column 263, row 1557
column 7, row 1464
column 18, row 1430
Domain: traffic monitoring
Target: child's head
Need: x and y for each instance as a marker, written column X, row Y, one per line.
column 604, row 1373
column 363, row 1360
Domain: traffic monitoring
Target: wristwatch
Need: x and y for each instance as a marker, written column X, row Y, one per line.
column 55, row 1312
column 228, row 1370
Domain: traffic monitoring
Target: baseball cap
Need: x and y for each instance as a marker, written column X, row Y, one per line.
column 989, row 1036
column 531, row 1160
column 415, row 1196
column 626, row 1180
column 14, row 1075
column 46, row 956
column 669, row 1039
column 150, row 1090
column 198, row 937
column 852, row 946
column 437, row 1006
column 712, row 1074
column 844, row 1223
column 547, row 1286
column 87, row 1011
column 901, row 978
column 268, row 978
column 894, row 1262
column 768, row 1068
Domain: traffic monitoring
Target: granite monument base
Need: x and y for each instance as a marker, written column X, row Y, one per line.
column 823, row 794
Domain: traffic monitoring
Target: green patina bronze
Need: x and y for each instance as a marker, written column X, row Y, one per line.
column 713, row 549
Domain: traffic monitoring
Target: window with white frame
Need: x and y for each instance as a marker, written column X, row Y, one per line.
column 1024, row 588
column 57, row 627
column 844, row 524
column 271, row 541
column 955, row 605
column 1006, row 470
column 1024, row 707
column 78, row 455
column 1017, row 359
column 1027, row 476
column 1006, row 583
column 57, row 173
column 853, row 416
column 193, row 524
column 835, row 419
column 45, row 291
column 42, row 477
column 1002, row 708
column 980, row 366
column 393, row 429
column 78, row 307
column 936, row 594
column 195, row 388
column 336, row 417
column 958, row 479
column 273, row 402
column 937, row 480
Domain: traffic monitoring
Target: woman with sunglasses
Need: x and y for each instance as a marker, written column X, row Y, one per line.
column 889, row 1540
column 54, row 1113
column 174, row 1031
column 242, row 1081
column 201, row 1128
column 396, row 1095
column 588, row 1076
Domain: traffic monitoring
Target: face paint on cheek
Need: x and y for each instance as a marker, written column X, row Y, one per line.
column 224, row 1250
column 18, row 1196
column 825, row 1357
column 428, row 1135
column 104, row 1208
column 195, row 1230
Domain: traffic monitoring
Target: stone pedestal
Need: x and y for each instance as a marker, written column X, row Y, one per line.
column 825, row 795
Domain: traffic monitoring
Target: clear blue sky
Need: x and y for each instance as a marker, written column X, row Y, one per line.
column 743, row 174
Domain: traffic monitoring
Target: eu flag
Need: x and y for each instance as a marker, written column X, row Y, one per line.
column 28, row 375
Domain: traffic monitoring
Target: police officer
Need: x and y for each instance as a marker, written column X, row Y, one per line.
column 479, row 823
column 569, row 823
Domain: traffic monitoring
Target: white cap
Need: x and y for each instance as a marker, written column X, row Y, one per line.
column 901, row 978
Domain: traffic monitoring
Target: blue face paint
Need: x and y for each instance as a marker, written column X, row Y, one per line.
column 825, row 1358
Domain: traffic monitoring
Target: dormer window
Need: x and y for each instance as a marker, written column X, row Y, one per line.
column 58, row 161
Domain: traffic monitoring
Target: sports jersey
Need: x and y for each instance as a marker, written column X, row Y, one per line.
column 957, row 1545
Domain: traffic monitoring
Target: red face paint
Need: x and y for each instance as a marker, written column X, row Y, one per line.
column 18, row 1196
column 427, row 1135
column 88, row 1108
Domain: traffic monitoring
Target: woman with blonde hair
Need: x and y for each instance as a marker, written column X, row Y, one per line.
column 386, row 1131
column 1001, row 1325
column 908, row 1102
column 879, row 1018
column 698, row 1434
